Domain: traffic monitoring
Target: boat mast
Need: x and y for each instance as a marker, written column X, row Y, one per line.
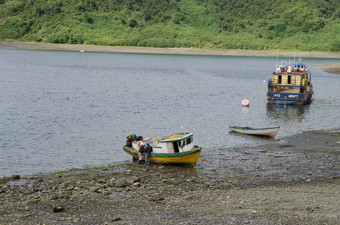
column 294, row 53
column 277, row 57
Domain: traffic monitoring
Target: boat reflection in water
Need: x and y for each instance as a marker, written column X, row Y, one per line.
column 289, row 117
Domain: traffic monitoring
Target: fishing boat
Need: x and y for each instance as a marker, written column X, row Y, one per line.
column 174, row 149
column 290, row 84
column 269, row 132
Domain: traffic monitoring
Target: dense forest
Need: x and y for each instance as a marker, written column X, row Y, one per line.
column 305, row 25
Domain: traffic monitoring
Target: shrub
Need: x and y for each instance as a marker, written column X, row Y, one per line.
column 12, row 28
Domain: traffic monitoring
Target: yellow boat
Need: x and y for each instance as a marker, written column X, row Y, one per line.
column 174, row 149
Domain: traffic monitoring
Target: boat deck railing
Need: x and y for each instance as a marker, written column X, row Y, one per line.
column 289, row 73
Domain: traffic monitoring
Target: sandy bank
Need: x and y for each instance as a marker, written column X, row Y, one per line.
column 330, row 68
column 180, row 51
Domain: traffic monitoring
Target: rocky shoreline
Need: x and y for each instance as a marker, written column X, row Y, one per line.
column 290, row 181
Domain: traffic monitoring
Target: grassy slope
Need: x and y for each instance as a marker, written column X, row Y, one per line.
column 227, row 24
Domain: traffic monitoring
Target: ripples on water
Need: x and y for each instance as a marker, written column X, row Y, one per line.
column 67, row 109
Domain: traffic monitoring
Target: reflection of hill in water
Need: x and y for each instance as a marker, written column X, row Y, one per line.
column 290, row 118
column 287, row 113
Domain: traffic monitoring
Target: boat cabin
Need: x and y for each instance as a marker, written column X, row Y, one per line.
column 175, row 143
column 289, row 79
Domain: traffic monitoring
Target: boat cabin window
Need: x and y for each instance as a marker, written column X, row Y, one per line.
column 189, row 140
column 280, row 79
column 299, row 67
column 289, row 79
column 176, row 146
column 181, row 144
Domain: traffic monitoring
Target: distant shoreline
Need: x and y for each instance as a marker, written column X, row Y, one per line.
column 180, row 51
column 334, row 68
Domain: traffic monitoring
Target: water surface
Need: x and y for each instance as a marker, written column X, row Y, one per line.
column 60, row 110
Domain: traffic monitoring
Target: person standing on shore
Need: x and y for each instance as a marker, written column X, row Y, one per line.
column 140, row 148
column 148, row 151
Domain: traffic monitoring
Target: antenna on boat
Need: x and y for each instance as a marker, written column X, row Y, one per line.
column 182, row 127
column 277, row 57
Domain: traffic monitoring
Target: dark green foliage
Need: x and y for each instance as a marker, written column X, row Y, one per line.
column 12, row 28
column 228, row 24
column 335, row 46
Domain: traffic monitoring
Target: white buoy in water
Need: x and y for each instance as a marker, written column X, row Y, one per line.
column 245, row 102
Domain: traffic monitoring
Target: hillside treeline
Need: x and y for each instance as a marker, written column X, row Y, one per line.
column 307, row 25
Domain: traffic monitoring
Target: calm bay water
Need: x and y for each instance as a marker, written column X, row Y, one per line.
column 60, row 110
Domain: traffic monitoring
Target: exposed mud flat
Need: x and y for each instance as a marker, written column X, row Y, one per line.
column 291, row 181
column 330, row 68
column 301, row 157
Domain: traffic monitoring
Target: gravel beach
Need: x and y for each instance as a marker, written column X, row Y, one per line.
column 290, row 181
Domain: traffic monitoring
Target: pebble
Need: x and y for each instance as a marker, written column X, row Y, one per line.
column 15, row 177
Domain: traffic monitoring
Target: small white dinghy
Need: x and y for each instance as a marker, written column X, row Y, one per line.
column 269, row 132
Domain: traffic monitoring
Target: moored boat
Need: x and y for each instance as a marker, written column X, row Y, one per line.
column 174, row 149
column 290, row 85
column 269, row 132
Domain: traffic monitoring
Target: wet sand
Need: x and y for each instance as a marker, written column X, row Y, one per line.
column 181, row 51
column 290, row 181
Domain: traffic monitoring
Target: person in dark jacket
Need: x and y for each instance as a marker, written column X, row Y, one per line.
column 130, row 138
column 148, row 151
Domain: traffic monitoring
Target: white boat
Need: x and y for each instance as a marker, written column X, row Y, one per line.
column 269, row 132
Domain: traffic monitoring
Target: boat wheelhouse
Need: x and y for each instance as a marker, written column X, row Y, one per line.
column 290, row 85
column 174, row 149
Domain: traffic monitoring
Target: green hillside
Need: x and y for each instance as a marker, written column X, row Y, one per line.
column 308, row 25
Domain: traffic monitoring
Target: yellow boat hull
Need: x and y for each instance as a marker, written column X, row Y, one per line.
column 184, row 158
